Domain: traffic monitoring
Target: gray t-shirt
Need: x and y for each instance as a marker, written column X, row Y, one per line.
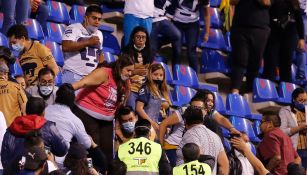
column 208, row 142
column 33, row 90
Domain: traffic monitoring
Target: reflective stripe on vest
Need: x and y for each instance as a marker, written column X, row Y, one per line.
column 141, row 156
column 193, row 167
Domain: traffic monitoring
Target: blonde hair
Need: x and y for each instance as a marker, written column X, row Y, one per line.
column 152, row 86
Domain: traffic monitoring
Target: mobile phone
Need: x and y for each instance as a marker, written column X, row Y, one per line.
column 234, row 135
column 90, row 162
column 47, row 149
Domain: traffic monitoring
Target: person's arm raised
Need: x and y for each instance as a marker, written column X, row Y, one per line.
column 95, row 78
column 169, row 121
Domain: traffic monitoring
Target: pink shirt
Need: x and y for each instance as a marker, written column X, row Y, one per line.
column 99, row 101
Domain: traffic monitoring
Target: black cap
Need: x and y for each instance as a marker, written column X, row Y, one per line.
column 6, row 54
column 77, row 151
column 35, row 157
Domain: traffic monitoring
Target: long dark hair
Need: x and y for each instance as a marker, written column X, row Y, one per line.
column 146, row 52
column 123, row 88
column 295, row 94
column 76, row 166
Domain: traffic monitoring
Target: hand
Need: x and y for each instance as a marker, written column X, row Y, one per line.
column 234, row 131
column 142, row 72
column 206, row 37
column 303, row 127
column 50, row 157
column 301, row 44
column 239, row 144
column 92, row 171
column 94, row 40
column 93, row 144
column 155, row 125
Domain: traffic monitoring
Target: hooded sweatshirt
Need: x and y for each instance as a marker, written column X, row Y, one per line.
column 13, row 141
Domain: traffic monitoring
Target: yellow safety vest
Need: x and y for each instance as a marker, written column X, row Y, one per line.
column 192, row 168
column 141, row 156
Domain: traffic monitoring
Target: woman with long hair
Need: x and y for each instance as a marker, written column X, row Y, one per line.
column 138, row 47
column 101, row 93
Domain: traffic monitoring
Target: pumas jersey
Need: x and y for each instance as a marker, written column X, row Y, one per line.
column 188, row 10
column 85, row 60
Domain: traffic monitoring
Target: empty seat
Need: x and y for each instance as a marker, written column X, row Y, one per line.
column 216, row 40
column 285, row 92
column 35, row 30
column 237, row 105
column 15, row 69
column 3, row 40
column 168, row 75
column 215, row 18
column 108, row 57
column 242, row 124
column 214, row 61
column 264, row 90
column 55, row 32
column 182, row 95
column 77, row 13
column 56, row 52
column 57, row 12
column 215, row 3
column 219, row 104
column 186, row 76
column 110, row 42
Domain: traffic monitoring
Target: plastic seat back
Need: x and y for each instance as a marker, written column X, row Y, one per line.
column 285, row 91
column 35, row 30
column 216, row 40
column 56, row 52
column 219, row 104
column 214, row 61
column 3, row 40
column 57, row 12
column 77, row 13
column 242, row 124
column 264, row 90
column 109, row 57
column 110, row 41
column 55, row 32
column 183, row 95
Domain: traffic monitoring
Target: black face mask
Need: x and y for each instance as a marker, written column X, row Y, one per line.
column 158, row 82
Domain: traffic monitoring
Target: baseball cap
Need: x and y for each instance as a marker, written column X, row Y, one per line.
column 35, row 157
column 77, row 151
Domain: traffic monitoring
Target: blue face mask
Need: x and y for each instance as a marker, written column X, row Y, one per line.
column 299, row 106
column 128, row 126
column 17, row 47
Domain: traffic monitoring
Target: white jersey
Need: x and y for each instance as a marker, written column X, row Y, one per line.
column 140, row 8
column 84, row 61
column 188, row 10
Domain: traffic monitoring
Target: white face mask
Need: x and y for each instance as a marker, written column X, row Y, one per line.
column 124, row 78
column 91, row 29
column 46, row 90
column 17, row 47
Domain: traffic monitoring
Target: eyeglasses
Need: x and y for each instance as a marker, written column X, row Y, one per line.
column 140, row 37
column 46, row 83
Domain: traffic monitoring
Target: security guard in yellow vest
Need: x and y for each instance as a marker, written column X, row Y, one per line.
column 191, row 154
column 142, row 156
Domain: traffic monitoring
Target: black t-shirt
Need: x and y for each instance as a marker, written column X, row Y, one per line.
column 250, row 13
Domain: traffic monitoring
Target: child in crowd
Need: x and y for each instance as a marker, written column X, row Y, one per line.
column 153, row 96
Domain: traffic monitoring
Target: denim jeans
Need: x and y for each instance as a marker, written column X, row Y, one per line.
column 171, row 34
column 9, row 7
column 41, row 16
column 131, row 21
column 303, row 155
column 300, row 62
column 190, row 31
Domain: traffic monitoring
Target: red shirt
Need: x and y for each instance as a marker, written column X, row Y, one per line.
column 101, row 99
column 277, row 143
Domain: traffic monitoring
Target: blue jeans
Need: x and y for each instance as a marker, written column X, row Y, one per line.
column 300, row 62
column 9, row 7
column 172, row 156
column 131, row 21
column 303, row 155
column 170, row 33
column 41, row 16
column 70, row 77
column 190, row 31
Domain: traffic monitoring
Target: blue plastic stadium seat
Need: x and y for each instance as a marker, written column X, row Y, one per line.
column 225, row 132
column 109, row 57
column 293, row 75
column 186, row 76
column 15, row 69
column 237, row 105
column 214, row 61
column 216, row 40
column 106, row 28
column 219, row 104
column 107, row 9
column 256, row 127
column 253, row 148
column 264, row 90
column 168, row 75
column 110, row 41
column 77, row 13
column 215, row 18
column 58, row 79
column 182, row 95
column 227, row 145
column 3, row 40
column 1, row 20
column 285, row 92
column 215, row 3
column 35, row 30
column 57, row 12
column 227, row 41
column 56, row 52
column 242, row 124
column 55, row 32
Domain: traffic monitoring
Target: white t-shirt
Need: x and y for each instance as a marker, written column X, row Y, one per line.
column 140, row 8
column 2, row 132
column 84, row 61
column 247, row 168
column 188, row 11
